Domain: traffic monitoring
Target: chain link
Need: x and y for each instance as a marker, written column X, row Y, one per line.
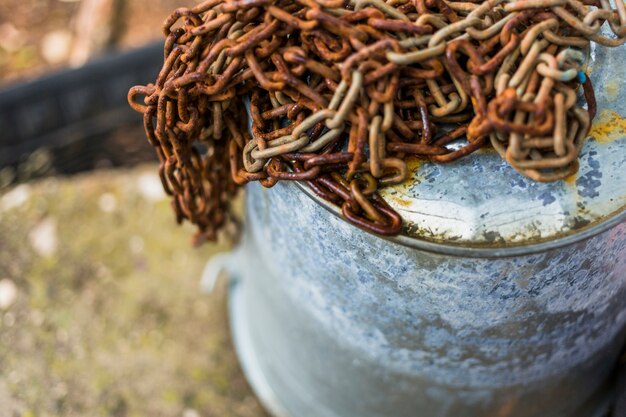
column 341, row 92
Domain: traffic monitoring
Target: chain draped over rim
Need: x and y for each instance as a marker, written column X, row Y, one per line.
column 342, row 92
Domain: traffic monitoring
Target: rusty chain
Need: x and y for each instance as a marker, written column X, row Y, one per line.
column 339, row 93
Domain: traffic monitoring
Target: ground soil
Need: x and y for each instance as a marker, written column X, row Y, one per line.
column 101, row 313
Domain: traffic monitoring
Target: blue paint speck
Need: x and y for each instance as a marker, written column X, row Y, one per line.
column 589, row 183
column 546, row 197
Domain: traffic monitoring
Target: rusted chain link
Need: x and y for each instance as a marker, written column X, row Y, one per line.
column 339, row 93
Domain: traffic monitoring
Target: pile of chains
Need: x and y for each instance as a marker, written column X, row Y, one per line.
column 340, row 93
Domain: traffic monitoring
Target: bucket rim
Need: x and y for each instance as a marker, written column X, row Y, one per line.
column 466, row 249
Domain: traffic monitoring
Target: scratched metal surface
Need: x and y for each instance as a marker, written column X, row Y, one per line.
column 331, row 321
column 342, row 323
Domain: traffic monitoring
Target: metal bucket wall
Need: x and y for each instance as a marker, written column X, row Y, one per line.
column 330, row 321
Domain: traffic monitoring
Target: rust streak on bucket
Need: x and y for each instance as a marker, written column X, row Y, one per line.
column 609, row 126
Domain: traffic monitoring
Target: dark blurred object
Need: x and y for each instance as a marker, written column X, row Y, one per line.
column 620, row 406
column 76, row 120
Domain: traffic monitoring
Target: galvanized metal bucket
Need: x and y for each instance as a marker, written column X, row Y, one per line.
column 504, row 297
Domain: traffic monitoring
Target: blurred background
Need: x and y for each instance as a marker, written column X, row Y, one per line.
column 100, row 308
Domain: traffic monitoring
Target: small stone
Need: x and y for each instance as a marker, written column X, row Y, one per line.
column 8, row 293
column 190, row 413
column 43, row 237
column 150, row 187
column 107, row 202
column 56, row 45
column 15, row 198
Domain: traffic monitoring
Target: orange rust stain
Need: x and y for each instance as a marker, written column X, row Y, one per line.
column 413, row 164
column 571, row 180
column 400, row 201
column 608, row 126
column 486, row 150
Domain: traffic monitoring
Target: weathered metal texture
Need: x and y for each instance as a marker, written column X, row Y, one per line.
column 343, row 323
column 504, row 298
column 452, row 205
